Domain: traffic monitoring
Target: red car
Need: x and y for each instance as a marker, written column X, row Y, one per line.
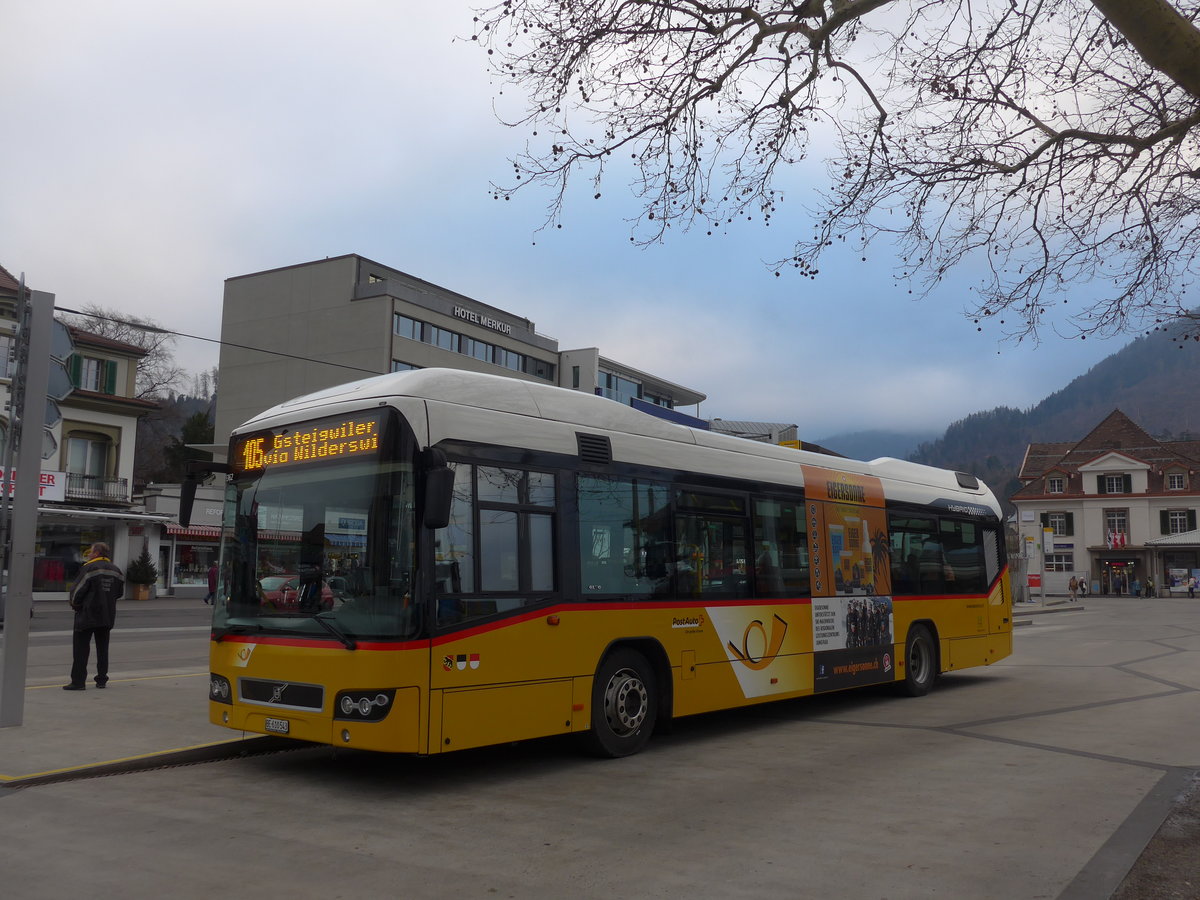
column 282, row 592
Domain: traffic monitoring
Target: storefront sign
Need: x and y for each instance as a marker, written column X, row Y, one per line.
column 51, row 485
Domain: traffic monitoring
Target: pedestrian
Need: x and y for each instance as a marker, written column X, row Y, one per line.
column 1135, row 589
column 1191, row 586
column 94, row 596
column 1073, row 586
column 212, row 584
column 1150, row 588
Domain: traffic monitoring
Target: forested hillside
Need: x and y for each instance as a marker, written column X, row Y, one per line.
column 1154, row 380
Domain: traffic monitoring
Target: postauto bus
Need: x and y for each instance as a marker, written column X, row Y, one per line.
column 476, row 559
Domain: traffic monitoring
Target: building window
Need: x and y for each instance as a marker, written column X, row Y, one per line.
column 1054, row 485
column 1114, row 484
column 372, row 278
column 406, row 327
column 1177, row 521
column 7, row 360
column 444, row 338
column 1176, row 481
column 90, row 374
column 480, row 350
column 1060, row 562
column 398, row 366
column 1060, row 523
column 87, row 456
column 614, row 387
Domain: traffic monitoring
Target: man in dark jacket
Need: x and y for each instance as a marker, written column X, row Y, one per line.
column 94, row 598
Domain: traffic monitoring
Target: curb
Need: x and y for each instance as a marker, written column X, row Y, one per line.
column 1043, row 611
column 255, row 746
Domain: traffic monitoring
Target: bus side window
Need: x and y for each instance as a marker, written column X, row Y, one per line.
column 624, row 537
column 781, row 545
column 917, row 562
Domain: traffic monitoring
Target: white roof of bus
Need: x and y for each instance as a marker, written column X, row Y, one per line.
column 547, row 402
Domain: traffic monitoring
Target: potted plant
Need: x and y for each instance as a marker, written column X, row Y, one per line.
column 142, row 573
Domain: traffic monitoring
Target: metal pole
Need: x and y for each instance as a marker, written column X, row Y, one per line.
column 24, row 511
column 16, row 378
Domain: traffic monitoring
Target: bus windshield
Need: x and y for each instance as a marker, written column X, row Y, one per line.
column 326, row 552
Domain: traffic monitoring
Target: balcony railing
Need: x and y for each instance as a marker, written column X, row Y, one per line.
column 97, row 488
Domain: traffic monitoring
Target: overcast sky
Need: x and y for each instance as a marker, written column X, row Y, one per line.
column 153, row 150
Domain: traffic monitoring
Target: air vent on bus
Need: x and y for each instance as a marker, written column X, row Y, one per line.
column 970, row 482
column 594, row 448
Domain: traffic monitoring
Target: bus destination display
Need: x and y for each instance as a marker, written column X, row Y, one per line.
column 352, row 436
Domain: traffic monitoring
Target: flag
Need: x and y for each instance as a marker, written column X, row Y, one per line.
column 1108, row 539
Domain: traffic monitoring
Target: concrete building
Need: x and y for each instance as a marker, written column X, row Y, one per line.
column 86, row 481
column 1116, row 506
column 347, row 317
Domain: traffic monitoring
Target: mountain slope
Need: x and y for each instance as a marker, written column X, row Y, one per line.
column 1152, row 380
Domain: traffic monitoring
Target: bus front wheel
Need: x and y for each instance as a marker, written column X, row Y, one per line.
column 624, row 705
column 920, row 662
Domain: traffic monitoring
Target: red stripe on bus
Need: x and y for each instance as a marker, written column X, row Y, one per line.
column 610, row 606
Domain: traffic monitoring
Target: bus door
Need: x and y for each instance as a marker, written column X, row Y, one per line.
column 500, row 670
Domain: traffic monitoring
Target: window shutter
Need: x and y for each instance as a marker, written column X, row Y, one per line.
column 110, row 377
column 1101, row 488
column 1191, row 520
column 1070, row 523
column 1164, row 522
column 1045, row 520
column 1128, row 483
column 75, row 368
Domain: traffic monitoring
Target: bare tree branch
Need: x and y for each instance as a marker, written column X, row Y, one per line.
column 1055, row 141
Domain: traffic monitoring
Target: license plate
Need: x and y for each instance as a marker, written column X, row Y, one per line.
column 278, row 726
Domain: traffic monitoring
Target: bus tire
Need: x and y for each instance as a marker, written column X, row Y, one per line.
column 624, row 705
column 920, row 662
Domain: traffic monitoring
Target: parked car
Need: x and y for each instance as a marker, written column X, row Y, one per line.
column 282, row 592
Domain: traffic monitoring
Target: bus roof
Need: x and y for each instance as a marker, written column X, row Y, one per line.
column 555, row 404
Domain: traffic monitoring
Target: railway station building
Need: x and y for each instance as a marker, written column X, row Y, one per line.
column 1112, row 508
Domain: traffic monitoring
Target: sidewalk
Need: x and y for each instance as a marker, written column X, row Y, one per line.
column 135, row 722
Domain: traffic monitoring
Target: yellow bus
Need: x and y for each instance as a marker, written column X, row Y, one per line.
column 434, row 560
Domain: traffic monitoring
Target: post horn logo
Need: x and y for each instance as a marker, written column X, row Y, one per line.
column 747, row 658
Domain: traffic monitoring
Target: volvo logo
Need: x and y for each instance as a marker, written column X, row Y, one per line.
column 277, row 692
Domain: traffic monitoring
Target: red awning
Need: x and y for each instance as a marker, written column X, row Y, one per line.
column 211, row 532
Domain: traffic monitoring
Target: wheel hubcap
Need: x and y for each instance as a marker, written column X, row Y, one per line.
column 625, row 702
column 918, row 662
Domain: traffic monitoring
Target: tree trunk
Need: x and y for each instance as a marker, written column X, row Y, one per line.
column 1164, row 39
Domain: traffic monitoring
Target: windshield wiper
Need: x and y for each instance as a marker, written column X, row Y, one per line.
column 329, row 626
column 239, row 628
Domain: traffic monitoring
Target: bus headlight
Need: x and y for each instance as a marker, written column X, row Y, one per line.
column 364, row 705
column 219, row 689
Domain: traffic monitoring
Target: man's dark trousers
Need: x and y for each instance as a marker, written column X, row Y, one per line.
column 81, row 651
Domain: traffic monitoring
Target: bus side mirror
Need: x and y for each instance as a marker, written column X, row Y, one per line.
column 187, row 497
column 197, row 470
column 439, row 493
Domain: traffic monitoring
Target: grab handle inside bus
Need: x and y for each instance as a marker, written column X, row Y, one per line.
column 197, row 470
column 439, row 489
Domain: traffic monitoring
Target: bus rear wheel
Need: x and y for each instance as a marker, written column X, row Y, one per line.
column 624, row 705
column 920, row 662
